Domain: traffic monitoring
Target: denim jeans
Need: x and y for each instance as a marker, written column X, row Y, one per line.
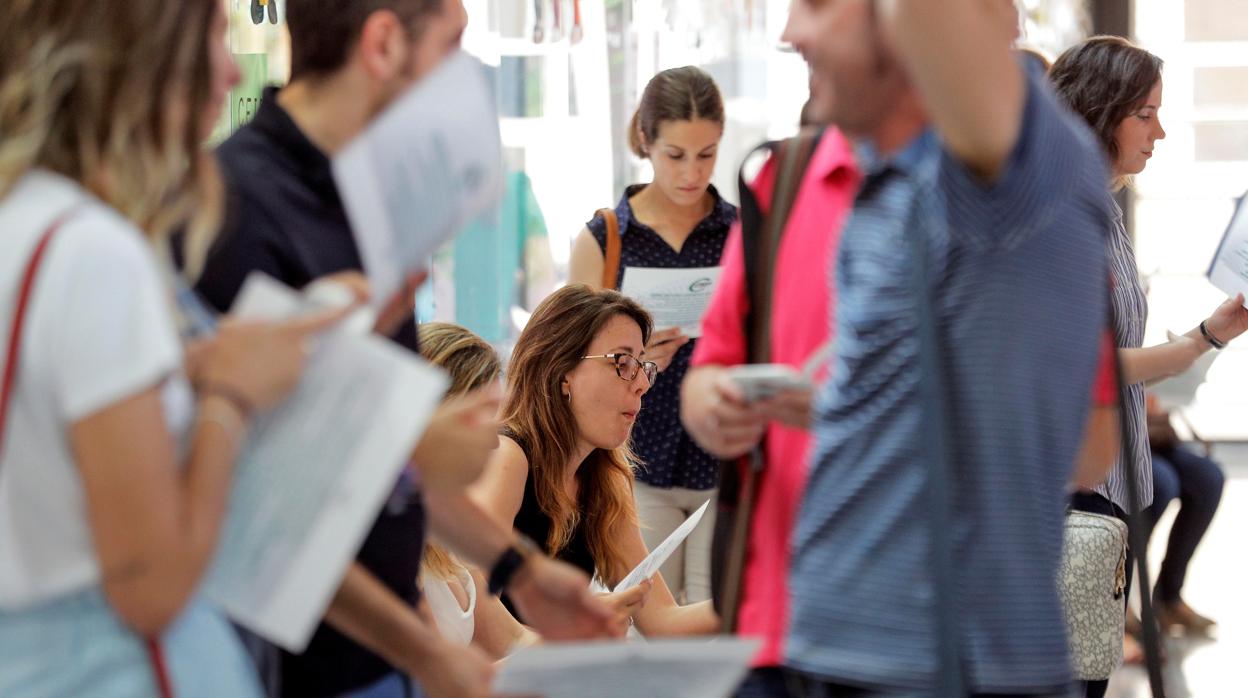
column 1197, row 483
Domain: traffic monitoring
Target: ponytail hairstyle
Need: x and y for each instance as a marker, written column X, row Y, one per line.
column 676, row 94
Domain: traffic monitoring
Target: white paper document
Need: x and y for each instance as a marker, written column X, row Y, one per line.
column 684, row 668
column 674, row 297
column 1229, row 269
column 315, row 472
column 659, row 555
column 430, row 164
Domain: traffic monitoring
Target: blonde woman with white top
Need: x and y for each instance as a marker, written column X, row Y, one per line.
column 114, row 473
column 456, row 596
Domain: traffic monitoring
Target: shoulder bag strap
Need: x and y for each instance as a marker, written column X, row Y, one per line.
column 760, row 240
column 1137, row 530
column 24, row 289
column 761, row 234
column 611, row 260
column 11, row 360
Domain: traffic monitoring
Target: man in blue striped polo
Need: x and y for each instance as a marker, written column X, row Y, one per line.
column 972, row 293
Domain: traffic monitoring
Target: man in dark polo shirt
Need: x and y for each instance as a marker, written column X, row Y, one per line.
column 350, row 58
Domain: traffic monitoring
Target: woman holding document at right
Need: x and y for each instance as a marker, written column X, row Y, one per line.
column 563, row 472
column 678, row 220
column 1116, row 87
column 114, row 475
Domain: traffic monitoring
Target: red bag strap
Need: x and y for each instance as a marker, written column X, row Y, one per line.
column 24, row 290
column 156, row 657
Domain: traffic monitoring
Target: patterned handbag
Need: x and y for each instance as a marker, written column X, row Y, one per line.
column 1092, row 579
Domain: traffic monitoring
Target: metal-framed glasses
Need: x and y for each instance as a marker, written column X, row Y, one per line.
column 627, row 366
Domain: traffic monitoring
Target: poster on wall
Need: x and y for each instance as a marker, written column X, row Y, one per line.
column 245, row 97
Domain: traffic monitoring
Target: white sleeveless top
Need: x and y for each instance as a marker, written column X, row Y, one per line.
column 456, row 624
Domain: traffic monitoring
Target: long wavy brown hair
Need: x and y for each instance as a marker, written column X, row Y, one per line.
column 111, row 95
column 551, row 346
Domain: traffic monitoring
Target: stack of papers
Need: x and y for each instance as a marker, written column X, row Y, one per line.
column 315, row 472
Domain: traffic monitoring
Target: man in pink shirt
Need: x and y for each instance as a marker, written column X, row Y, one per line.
column 722, row 422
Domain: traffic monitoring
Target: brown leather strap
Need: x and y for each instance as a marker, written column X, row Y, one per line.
column 611, row 261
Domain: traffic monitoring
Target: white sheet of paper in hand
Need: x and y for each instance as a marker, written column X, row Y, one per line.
column 1229, row 268
column 315, row 472
column 682, row 668
column 659, row 555
column 422, row 170
column 674, row 297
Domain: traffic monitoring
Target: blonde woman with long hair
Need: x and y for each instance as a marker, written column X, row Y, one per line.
column 114, row 473
column 457, row 596
column 563, row 473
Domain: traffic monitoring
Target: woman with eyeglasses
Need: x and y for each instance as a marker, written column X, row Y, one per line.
column 563, row 472
column 678, row 220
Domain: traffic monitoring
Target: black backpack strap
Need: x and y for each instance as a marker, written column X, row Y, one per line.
column 760, row 240
column 1137, row 531
column 761, row 235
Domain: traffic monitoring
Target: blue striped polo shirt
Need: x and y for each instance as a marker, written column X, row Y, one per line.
column 1016, row 280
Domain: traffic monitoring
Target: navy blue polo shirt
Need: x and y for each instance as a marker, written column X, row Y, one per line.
column 284, row 218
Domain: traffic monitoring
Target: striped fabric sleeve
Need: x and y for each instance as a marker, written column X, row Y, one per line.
column 1054, row 160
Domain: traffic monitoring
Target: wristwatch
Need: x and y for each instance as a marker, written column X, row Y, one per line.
column 510, row 562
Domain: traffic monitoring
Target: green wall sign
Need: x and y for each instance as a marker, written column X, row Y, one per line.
column 245, row 97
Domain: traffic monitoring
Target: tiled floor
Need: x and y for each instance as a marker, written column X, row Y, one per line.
column 1216, row 583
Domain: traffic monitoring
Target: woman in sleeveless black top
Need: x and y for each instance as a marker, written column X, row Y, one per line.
column 536, row 524
column 563, row 473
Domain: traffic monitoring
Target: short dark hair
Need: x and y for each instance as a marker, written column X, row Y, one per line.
column 323, row 32
column 676, row 94
column 1104, row 79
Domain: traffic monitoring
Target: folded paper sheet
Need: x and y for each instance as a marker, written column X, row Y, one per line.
column 427, row 166
column 659, row 555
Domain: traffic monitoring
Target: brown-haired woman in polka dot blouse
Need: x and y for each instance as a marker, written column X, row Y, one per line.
column 678, row 220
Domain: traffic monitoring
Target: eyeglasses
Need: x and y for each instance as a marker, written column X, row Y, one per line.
column 627, row 366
